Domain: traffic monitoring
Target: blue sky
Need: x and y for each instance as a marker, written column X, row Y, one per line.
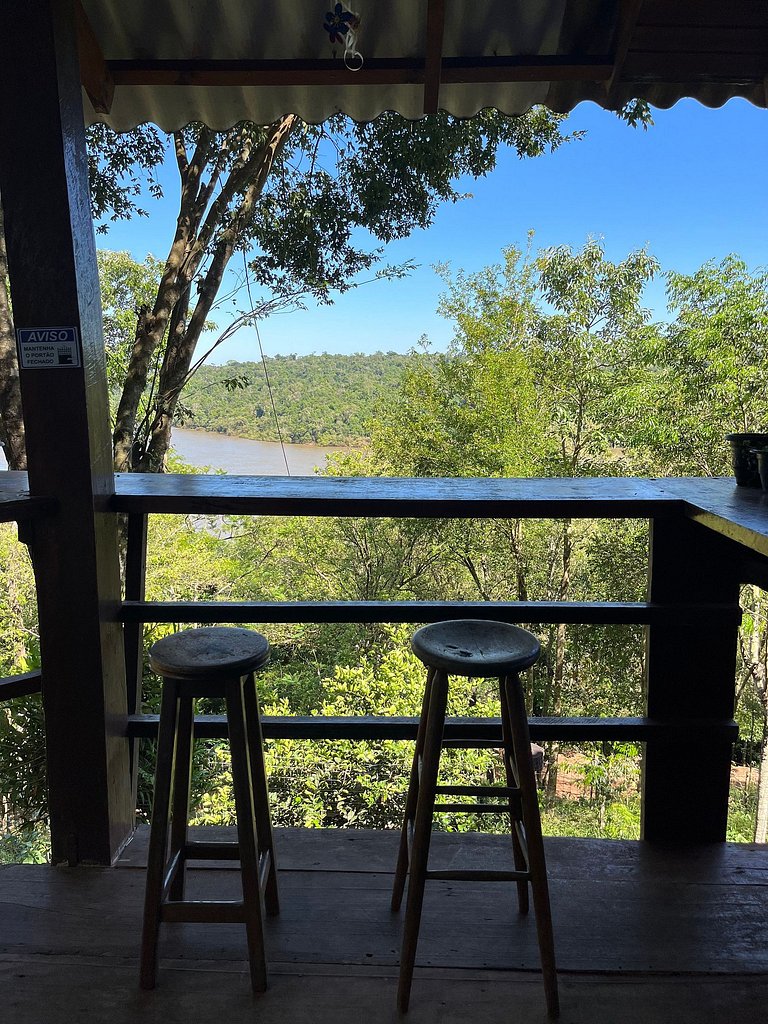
column 691, row 188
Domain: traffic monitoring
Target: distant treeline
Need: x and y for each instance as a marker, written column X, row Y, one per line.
column 319, row 399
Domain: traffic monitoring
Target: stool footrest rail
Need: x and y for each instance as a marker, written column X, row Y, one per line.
column 478, row 875
column 203, row 912
column 472, row 808
column 479, row 791
column 212, row 851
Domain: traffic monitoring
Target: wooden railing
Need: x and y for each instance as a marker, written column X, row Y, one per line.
column 707, row 537
column 22, row 685
column 703, row 536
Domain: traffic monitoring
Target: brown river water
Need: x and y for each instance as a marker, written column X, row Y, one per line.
column 240, row 455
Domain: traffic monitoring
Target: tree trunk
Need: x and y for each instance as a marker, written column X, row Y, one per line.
column 761, row 819
column 517, row 544
column 558, row 670
column 198, row 227
column 756, row 656
column 11, row 419
column 563, row 593
column 150, row 330
column 180, row 268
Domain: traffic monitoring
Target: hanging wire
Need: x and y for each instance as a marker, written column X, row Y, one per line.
column 266, row 371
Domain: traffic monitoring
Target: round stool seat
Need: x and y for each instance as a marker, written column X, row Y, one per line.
column 209, row 652
column 476, row 647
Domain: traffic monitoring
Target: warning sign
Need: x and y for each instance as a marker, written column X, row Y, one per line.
column 47, row 347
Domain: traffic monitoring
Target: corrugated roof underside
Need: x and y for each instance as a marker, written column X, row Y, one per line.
column 709, row 50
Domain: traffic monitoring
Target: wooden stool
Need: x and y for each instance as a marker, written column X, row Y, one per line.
column 209, row 662
column 474, row 647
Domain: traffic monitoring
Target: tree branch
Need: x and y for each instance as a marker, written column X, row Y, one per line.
column 11, row 419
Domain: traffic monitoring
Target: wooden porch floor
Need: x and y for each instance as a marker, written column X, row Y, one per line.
column 643, row 934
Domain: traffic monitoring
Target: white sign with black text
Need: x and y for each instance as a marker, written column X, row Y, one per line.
column 47, row 348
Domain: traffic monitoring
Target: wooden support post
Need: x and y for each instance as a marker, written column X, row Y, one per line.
column 690, row 675
column 54, row 285
column 133, row 632
column 135, row 577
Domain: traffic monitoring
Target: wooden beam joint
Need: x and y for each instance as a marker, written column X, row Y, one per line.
column 629, row 11
column 95, row 76
column 433, row 60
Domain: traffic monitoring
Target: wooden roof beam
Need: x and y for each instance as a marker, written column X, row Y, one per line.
column 629, row 11
column 395, row 71
column 95, row 75
column 434, row 55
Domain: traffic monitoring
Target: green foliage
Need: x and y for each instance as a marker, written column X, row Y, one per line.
column 529, row 387
column 23, row 832
column 126, row 286
column 23, row 799
column 120, row 166
column 462, row 414
column 705, row 374
column 396, row 171
column 582, row 353
column 742, row 806
column 611, row 767
column 337, row 184
column 637, row 114
column 348, row 784
column 581, row 817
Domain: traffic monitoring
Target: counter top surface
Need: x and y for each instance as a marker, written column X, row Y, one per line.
column 740, row 513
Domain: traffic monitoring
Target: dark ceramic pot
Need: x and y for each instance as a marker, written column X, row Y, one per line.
column 761, row 454
column 744, row 448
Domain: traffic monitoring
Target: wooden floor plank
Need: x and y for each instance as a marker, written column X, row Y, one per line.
column 96, row 992
column 617, row 907
column 571, row 858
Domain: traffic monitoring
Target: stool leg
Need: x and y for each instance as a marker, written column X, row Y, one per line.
column 246, row 833
column 401, row 871
column 521, row 740
column 158, row 837
column 260, row 792
column 521, row 864
column 182, row 783
column 422, row 832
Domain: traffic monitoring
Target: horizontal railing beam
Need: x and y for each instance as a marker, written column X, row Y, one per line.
column 398, row 497
column 458, row 731
column 17, row 504
column 608, row 613
column 20, row 686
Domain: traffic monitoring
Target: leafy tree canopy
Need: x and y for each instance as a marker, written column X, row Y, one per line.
column 541, row 350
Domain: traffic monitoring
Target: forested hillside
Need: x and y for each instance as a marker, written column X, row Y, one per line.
column 319, row 399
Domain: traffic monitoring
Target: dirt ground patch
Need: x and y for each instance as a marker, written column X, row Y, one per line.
column 572, row 784
column 743, row 775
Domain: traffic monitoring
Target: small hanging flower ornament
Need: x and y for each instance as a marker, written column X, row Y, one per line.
column 342, row 27
column 337, row 23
